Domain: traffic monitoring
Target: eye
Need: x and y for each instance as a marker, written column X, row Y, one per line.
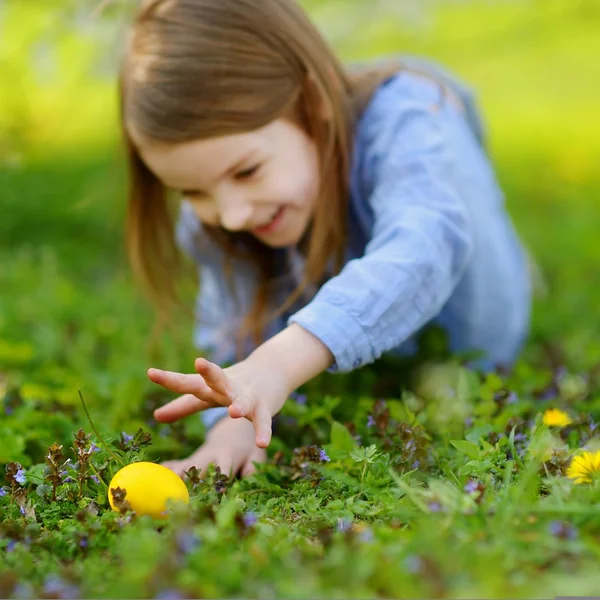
column 247, row 173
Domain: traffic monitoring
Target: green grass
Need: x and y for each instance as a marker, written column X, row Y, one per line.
column 388, row 515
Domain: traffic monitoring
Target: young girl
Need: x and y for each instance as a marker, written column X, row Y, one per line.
column 332, row 214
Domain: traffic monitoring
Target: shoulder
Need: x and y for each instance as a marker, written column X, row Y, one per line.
column 401, row 120
column 397, row 101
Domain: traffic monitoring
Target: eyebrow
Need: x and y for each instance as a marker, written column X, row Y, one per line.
column 236, row 166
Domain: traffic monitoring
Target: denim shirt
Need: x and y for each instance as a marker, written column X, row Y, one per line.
column 430, row 241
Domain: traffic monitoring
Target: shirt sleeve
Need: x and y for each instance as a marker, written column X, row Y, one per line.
column 421, row 238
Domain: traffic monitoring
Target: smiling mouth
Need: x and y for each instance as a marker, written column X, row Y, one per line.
column 272, row 223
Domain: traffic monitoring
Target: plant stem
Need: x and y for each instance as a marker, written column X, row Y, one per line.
column 362, row 477
column 98, row 475
column 96, row 431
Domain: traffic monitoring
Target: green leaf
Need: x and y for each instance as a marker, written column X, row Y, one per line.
column 478, row 432
column 228, row 509
column 341, row 438
column 468, row 448
column 11, row 447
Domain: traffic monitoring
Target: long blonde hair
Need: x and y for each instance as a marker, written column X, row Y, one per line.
column 195, row 69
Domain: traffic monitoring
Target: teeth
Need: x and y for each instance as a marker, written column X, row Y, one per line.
column 272, row 219
column 267, row 223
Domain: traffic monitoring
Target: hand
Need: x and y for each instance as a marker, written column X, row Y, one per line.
column 255, row 388
column 229, row 445
column 251, row 389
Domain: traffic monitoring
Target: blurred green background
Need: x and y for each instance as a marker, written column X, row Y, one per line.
column 69, row 316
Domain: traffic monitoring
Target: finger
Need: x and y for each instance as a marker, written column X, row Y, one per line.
column 240, row 407
column 177, row 466
column 181, row 383
column 226, row 465
column 178, row 382
column 248, row 469
column 181, row 407
column 258, row 455
column 262, row 425
column 199, row 459
column 213, row 375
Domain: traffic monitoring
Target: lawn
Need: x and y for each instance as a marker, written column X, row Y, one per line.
column 392, row 481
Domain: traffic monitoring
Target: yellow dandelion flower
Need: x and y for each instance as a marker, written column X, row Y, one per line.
column 554, row 417
column 584, row 466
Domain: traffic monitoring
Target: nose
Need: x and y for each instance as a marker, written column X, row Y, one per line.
column 235, row 210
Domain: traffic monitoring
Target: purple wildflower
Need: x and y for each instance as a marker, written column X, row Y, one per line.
column 20, row 477
column 301, row 399
column 366, row 535
column 471, row 486
column 23, row 590
column 250, row 518
column 93, row 448
column 370, row 421
column 3, row 492
column 11, row 546
column 55, row 586
column 413, row 564
column 95, row 479
column 169, row 595
column 22, row 510
column 323, row 456
column 549, row 393
column 435, row 506
column 563, row 530
column 512, row 398
column 83, row 543
column 187, row 541
column 343, row 525
column 561, row 373
column 126, row 437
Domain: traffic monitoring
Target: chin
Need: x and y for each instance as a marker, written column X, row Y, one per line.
column 282, row 242
column 284, row 239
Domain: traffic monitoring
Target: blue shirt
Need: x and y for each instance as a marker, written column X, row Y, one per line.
column 430, row 241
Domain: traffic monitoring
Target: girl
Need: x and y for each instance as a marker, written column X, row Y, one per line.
column 332, row 215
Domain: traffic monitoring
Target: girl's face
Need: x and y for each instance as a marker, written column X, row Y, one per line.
column 265, row 181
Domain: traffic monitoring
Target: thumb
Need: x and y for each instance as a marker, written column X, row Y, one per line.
column 181, row 407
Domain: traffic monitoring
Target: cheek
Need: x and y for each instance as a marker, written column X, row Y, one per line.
column 297, row 184
column 311, row 176
column 282, row 188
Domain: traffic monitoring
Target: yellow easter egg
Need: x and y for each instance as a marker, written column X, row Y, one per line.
column 148, row 486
